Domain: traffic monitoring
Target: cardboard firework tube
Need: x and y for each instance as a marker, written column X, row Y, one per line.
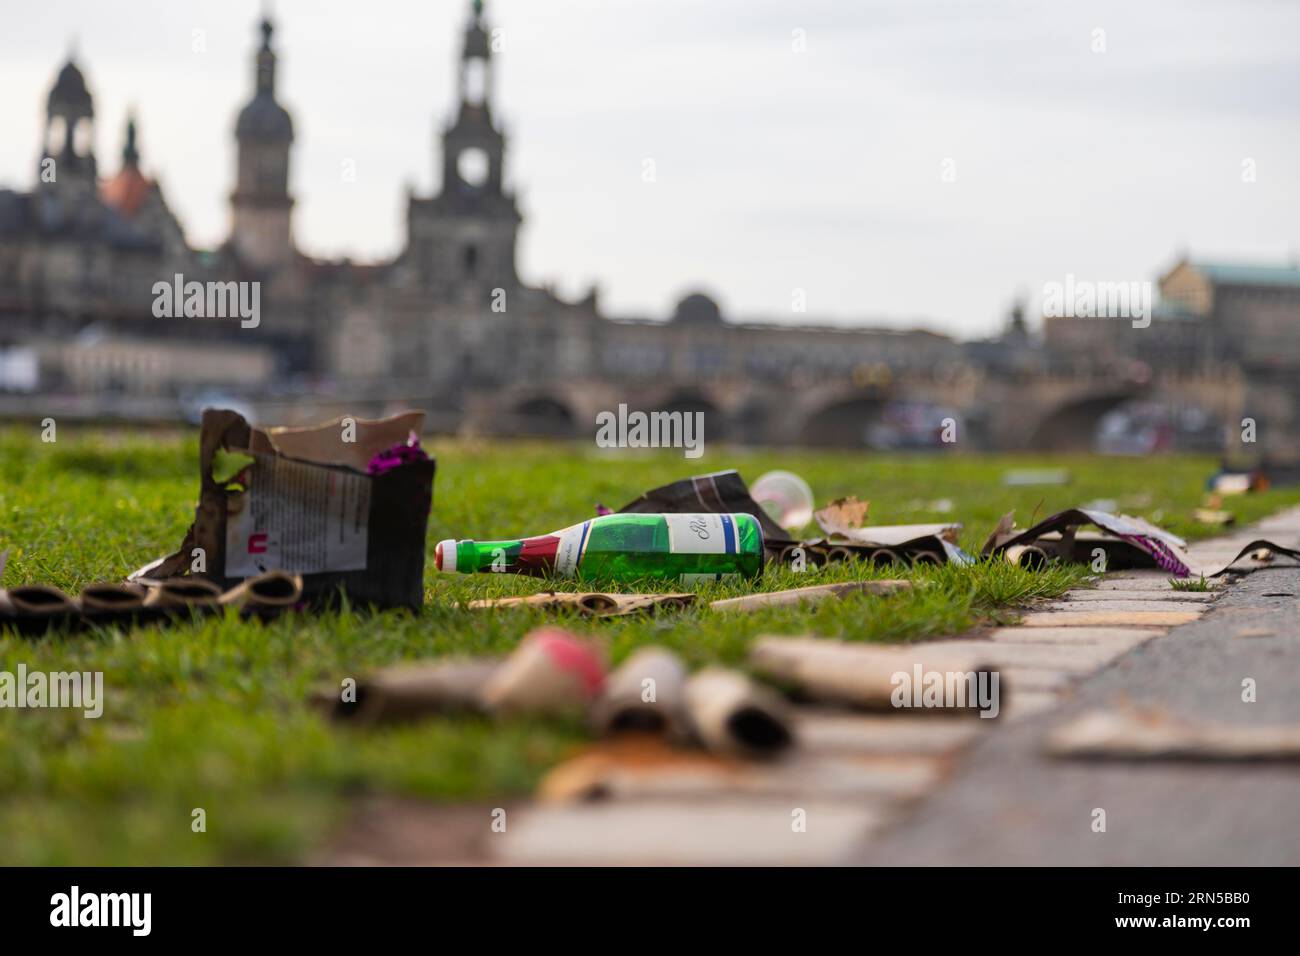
column 107, row 602
column 624, row 706
column 838, row 554
column 1028, row 556
column 596, row 604
column 409, row 692
column 813, row 593
column 35, row 607
column 181, row 593
column 551, row 671
column 731, row 714
column 638, row 603
column 885, row 556
column 786, row 554
column 591, row 604
column 856, row 675
column 265, row 595
column 926, row 557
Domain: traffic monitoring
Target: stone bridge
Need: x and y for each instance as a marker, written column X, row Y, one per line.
column 1043, row 412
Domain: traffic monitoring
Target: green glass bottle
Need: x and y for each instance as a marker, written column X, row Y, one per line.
column 623, row 547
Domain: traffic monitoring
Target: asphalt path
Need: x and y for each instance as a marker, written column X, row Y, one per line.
column 1009, row 803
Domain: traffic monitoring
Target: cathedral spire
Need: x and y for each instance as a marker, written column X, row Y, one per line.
column 130, row 154
column 265, row 80
column 261, row 204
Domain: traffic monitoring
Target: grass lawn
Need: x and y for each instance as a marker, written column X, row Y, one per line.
column 212, row 714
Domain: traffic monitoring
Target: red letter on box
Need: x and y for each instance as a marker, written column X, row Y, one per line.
column 257, row 543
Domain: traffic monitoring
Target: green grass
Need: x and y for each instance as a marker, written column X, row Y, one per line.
column 1191, row 584
column 212, row 714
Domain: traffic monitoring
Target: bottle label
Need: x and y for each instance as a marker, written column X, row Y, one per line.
column 569, row 552
column 701, row 534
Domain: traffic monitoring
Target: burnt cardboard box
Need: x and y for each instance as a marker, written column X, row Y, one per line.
column 308, row 505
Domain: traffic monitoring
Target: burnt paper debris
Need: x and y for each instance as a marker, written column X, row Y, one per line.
column 843, row 523
column 722, row 492
column 1261, row 551
column 345, row 505
column 1125, row 542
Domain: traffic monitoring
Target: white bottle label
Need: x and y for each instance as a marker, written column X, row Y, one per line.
column 701, row 534
column 572, row 542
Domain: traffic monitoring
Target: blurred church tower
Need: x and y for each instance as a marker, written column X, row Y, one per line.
column 463, row 239
column 261, row 207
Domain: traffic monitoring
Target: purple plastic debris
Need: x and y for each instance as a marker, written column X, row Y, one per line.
column 403, row 453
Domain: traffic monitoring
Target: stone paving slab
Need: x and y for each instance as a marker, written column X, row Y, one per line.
column 1110, row 607
column 1108, row 619
column 595, row 773
column 1126, row 637
column 724, row 832
column 1151, row 575
column 1169, row 595
column 1072, row 658
column 1036, row 679
column 828, row 732
column 1025, row 703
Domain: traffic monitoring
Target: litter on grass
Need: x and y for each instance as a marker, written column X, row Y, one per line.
column 844, row 523
column 1130, row 734
column 345, row 505
column 407, row 692
column 812, row 594
column 552, row 671
column 34, row 609
column 1125, row 542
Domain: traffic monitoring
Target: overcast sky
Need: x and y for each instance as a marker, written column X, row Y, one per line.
column 822, row 170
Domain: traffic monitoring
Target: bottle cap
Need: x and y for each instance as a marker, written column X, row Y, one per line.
column 444, row 556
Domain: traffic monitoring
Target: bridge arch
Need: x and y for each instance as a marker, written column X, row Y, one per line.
column 690, row 401
column 543, row 416
column 1072, row 425
column 843, row 422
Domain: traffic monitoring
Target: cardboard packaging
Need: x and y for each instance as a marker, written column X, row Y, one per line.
column 345, row 505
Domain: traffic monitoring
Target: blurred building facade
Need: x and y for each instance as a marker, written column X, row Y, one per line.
column 450, row 325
